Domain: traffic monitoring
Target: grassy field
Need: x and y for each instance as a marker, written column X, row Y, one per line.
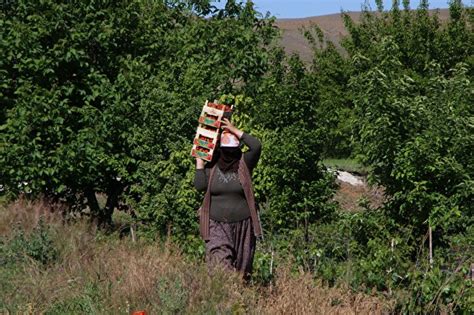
column 51, row 267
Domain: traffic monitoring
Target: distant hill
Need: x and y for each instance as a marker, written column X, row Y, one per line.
column 332, row 26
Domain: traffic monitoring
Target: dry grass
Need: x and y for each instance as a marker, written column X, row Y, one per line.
column 27, row 214
column 97, row 274
column 349, row 197
column 301, row 294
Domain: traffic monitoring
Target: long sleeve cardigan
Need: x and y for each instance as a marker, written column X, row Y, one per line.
column 228, row 202
column 244, row 178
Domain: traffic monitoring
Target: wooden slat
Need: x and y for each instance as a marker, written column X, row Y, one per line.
column 202, row 155
column 216, row 123
column 213, row 111
column 204, row 144
column 207, row 133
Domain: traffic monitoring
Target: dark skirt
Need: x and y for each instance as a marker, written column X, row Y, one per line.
column 231, row 246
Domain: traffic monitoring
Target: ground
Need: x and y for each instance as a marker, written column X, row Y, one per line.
column 351, row 197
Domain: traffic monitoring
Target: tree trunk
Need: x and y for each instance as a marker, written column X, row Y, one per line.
column 103, row 217
column 113, row 193
column 93, row 205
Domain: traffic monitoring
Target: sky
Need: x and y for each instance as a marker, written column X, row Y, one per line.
column 304, row 8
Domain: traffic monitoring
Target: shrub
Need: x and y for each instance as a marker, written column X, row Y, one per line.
column 37, row 245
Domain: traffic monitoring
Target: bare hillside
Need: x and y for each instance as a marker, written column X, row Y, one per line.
column 332, row 26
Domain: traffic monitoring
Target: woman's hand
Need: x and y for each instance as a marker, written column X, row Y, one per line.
column 199, row 164
column 227, row 125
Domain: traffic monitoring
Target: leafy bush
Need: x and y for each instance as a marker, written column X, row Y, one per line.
column 291, row 184
column 414, row 127
column 37, row 245
column 99, row 95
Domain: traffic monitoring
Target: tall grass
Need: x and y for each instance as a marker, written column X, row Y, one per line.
column 85, row 271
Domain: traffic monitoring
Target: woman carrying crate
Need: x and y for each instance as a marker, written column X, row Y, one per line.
column 229, row 221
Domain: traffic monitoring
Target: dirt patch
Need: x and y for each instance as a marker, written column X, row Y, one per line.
column 351, row 197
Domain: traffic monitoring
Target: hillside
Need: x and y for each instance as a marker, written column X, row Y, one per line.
column 332, row 26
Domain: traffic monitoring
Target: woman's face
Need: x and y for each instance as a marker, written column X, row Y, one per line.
column 228, row 139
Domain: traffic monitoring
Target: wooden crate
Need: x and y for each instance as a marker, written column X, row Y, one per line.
column 208, row 131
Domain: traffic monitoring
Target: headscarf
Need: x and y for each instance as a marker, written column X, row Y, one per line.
column 229, row 158
column 230, row 152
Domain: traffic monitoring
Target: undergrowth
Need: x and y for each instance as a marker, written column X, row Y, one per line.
column 54, row 267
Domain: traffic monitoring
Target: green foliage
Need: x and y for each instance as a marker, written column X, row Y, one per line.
column 106, row 102
column 264, row 264
column 75, row 305
column 330, row 73
column 413, row 108
column 98, row 94
column 66, row 135
column 416, row 135
column 172, row 294
column 421, row 36
column 216, row 57
column 37, row 245
column 287, row 179
column 409, row 104
column 291, row 185
column 103, row 98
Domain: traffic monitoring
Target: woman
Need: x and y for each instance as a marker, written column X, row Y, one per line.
column 228, row 218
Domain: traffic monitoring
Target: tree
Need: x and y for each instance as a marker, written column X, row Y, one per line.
column 96, row 92
column 413, row 109
column 292, row 185
column 403, row 95
column 330, row 72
